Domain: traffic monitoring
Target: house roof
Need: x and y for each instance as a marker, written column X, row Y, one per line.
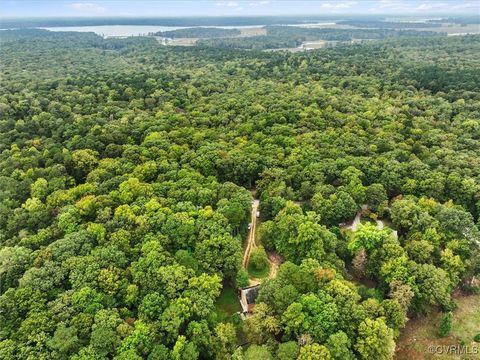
column 251, row 293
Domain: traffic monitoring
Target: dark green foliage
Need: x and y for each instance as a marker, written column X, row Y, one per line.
column 445, row 325
column 255, row 352
column 278, row 37
column 341, row 34
column 372, row 23
column 241, row 279
column 259, row 42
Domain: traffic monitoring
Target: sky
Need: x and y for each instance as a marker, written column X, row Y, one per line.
column 152, row 8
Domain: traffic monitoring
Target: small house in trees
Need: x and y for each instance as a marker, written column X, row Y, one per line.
column 248, row 296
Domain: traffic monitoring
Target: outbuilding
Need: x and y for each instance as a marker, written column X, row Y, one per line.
column 248, row 296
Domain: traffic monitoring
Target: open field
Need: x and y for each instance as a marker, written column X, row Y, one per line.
column 227, row 304
column 421, row 333
column 318, row 44
column 176, row 42
column 253, row 31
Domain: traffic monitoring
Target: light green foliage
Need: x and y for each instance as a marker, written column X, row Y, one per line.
column 258, row 258
column 202, row 291
column 69, row 219
column 375, row 340
column 452, row 264
column 433, row 285
column 300, row 236
column 262, row 325
column 256, row 352
column 224, row 340
column 201, row 336
column 406, row 214
column 174, row 318
column 242, row 278
column 84, row 161
column 152, row 306
column 313, row 352
column 39, row 189
column 221, row 254
column 340, row 346
column 288, row 350
column 336, row 208
column 420, row 251
column 367, row 237
column 395, row 315
column 184, row 350
column 313, row 315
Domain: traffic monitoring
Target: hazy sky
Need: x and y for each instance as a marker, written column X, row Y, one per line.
column 10, row 8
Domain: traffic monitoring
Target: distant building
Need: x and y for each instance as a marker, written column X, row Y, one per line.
column 248, row 296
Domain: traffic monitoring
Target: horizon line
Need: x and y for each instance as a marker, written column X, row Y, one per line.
column 231, row 16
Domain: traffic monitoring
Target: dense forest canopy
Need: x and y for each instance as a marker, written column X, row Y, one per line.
column 370, row 21
column 169, row 21
column 343, row 34
column 278, row 37
column 382, row 24
column 126, row 171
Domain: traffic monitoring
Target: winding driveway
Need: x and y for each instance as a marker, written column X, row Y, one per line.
column 251, row 236
column 274, row 260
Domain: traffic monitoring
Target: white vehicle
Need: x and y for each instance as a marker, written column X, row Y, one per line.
column 249, row 226
column 258, row 214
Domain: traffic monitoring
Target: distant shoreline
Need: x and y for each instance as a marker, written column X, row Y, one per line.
column 195, row 21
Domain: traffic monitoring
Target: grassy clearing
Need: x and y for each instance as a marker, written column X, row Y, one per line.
column 227, row 304
column 258, row 274
column 252, row 272
column 420, row 333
